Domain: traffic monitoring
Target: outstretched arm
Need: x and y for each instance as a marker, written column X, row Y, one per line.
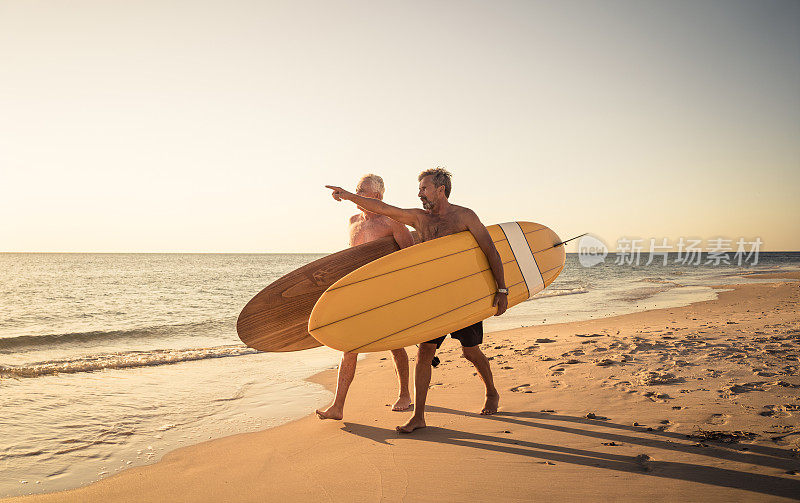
column 484, row 240
column 408, row 217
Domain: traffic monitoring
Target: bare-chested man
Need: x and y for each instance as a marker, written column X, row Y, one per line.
column 440, row 218
column 365, row 227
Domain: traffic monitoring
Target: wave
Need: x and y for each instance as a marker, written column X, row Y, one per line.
column 122, row 360
column 643, row 293
column 558, row 293
column 22, row 342
column 658, row 280
column 764, row 270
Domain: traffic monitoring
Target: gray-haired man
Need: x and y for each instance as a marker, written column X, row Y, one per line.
column 365, row 227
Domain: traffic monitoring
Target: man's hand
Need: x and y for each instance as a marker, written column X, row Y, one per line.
column 501, row 301
column 406, row 217
column 339, row 193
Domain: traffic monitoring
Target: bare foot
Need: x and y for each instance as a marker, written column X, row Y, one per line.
column 331, row 412
column 411, row 425
column 490, row 407
column 402, row 403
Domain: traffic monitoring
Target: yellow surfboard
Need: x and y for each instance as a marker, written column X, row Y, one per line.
column 433, row 288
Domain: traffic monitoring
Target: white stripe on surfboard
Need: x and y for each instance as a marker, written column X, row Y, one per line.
column 525, row 259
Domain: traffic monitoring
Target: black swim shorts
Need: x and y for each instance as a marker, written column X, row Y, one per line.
column 469, row 336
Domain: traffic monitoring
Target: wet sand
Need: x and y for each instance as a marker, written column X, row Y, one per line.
column 700, row 403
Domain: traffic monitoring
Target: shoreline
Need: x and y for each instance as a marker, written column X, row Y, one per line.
column 366, row 421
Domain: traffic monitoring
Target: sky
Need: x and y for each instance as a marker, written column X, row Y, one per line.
column 213, row 126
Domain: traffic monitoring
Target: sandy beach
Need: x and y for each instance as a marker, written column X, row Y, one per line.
column 699, row 403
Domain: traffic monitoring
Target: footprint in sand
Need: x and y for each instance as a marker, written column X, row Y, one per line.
column 656, row 397
column 718, row 419
column 748, row 387
column 778, row 410
column 653, row 378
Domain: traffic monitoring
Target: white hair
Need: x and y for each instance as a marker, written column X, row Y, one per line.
column 375, row 181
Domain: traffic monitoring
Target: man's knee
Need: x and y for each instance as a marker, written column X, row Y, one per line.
column 472, row 353
column 400, row 353
column 426, row 353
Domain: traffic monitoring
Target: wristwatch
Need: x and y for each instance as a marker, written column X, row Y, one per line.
column 504, row 291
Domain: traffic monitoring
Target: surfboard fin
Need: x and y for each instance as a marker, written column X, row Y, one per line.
column 570, row 239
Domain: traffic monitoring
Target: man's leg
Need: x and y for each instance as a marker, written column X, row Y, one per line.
column 347, row 371
column 401, row 367
column 422, row 380
column 477, row 358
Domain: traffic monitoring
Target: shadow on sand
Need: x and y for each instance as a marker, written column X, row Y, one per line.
column 779, row 459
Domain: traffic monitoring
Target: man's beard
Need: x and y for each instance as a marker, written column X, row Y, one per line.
column 426, row 204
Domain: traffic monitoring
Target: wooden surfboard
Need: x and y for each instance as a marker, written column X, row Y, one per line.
column 277, row 318
column 434, row 288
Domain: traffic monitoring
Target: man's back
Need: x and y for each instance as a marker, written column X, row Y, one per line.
column 363, row 230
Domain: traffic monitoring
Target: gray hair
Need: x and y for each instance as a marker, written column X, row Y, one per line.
column 375, row 181
column 440, row 177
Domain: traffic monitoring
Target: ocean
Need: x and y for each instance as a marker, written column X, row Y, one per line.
column 108, row 361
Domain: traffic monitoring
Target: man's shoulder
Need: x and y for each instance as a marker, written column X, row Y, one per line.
column 464, row 212
column 355, row 218
column 418, row 212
